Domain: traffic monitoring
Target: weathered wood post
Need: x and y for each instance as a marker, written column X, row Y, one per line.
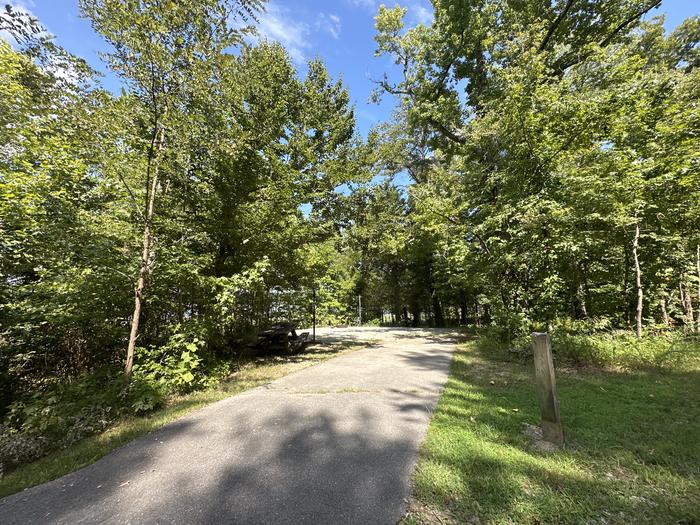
column 546, row 389
column 313, row 306
column 359, row 310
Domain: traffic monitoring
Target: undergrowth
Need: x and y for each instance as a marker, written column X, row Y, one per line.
column 71, row 424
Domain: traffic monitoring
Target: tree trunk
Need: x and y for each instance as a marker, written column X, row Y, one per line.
column 664, row 310
column 586, row 290
column 691, row 315
column 437, row 312
column 581, row 297
column 697, row 267
column 681, row 298
column 144, row 269
column 416, row 311
column 626, row 289
column 638, row 272
column 687, row 301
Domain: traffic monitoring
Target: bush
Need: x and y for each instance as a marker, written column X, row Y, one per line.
column 593, row 342
column 175, row 367
column 18, row 447
column 508, row 330
column 63, row 414
column 623, row 349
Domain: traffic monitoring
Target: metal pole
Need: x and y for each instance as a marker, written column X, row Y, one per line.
column 313, row 308
column 359, row 308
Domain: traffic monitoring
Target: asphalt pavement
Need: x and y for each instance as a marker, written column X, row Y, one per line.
column 331, row 444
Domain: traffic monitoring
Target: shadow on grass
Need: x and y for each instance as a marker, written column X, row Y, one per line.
column 632, row 454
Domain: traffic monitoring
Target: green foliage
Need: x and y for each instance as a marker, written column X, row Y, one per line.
column 65, row 413
column 592, row 343
column 17, row 448
column 230, row 192
column 509, row 330
column 225, row 146
column 539, row 138
column 176, row 366
column 621, row 349
column 246, row 143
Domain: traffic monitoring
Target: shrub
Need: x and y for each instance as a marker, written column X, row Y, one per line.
column 60, row 414
column 593, row 342
column 508, row 330
column 623, row 349
column 65, row 413
column 175, row 367
column 18, row 447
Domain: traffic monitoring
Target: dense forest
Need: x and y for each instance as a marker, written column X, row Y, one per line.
column 553, row 152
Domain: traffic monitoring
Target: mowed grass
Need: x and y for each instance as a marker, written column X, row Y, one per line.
column 632, row 453
column 252, row 373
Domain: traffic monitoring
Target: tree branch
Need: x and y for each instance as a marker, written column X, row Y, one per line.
column 613, row 34
column 627, row 22
column 454, row 136
column 553, row 26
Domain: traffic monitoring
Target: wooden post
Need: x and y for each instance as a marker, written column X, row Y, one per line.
column 546, row 389
column 313, row 306
column 359, row 310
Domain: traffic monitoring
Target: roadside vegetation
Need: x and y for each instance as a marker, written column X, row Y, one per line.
column 632, row 452
column 75, row 444
column 549, row 154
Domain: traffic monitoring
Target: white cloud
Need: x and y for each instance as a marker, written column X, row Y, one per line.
column 421, row 14
column 277, row 24
column 21, row 6
column 329, row 23
column 372, row 5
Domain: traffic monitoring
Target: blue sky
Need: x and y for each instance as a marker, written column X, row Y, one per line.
column 340, row 32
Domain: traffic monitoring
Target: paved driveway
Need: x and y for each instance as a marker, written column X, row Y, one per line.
column 334, row 443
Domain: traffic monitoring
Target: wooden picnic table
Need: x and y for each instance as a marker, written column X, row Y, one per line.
column 282, row 336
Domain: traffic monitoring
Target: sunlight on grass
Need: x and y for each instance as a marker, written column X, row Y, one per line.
column 632, row 455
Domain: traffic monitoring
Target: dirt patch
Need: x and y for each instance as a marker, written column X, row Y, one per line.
column 535, row 434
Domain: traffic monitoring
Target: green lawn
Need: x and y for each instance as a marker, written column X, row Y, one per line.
column 632, row 454
column 251, row 374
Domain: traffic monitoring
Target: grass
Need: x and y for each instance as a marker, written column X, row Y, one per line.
column 250, row 375
column 632, row 454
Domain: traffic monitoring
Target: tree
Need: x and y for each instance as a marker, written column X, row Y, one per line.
column 167, row 52
column 549, row 124
column 58, row 255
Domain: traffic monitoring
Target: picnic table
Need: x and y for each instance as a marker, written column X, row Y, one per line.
column 282, row 336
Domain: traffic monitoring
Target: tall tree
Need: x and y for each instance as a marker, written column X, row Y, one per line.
column 551, row 120
column 166, row 51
